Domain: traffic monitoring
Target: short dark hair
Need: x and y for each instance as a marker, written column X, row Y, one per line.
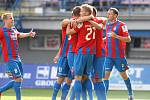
column 115, row 11
column 76, row 11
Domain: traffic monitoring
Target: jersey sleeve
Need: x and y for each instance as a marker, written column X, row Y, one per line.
column 124, row 30
column 1, row 33
column 16, row 31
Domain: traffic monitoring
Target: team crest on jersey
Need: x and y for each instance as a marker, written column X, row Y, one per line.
column 114, row 28
column 13, row 36
column 79, row 25
column 124, row 28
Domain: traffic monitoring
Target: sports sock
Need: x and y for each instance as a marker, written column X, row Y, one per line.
column 100, row 90
column 65, row 90
column 106, row 84
column 78, row 89
column 55, row 90
column 17, row 89
column 72, row 97
column 84, row 95
column 128, row 85
column 89, row 88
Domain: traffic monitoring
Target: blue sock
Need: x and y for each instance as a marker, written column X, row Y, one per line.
column 72, row 97
column 17, row 89
column 78, row 89
column 55, row 90
column 128, row 85
column 106, row 83
column 84, row 95
column 65, row 91
column 99, row 88
column 89, row 88
column 7, row 86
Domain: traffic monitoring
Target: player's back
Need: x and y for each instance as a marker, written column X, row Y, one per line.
column 86, row 38
column 100, row 51
column 64, row 44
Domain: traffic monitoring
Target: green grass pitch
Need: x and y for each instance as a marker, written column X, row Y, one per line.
column 45, row 94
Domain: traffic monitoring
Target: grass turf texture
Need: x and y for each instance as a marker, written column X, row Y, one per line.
column 46, row 94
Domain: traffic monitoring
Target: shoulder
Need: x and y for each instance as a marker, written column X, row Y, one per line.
column 121, row 23
column 1, row 30
column 65, row 22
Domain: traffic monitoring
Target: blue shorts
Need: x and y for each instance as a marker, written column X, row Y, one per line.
column 120, row 64
column 98, row 67
column 63, row 69
column 83, row 64
column 14, row 67
column 70, row 58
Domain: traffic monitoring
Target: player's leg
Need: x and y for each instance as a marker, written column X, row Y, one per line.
column 122, row 66
column 10, row 75
column 88, row 71
column 17, row 71
column 79, row 65
column 86, row 87
column 65, row 88
column 7, row 85
column 61, row 74
column 108, row 65
column 99, row 86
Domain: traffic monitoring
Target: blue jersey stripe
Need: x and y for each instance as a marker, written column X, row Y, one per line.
column 70, row 48
column 109, row 41
column 64, row 48
column 117, row 41
column 8, row 43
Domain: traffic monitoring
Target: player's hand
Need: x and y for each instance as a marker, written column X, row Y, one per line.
column 55, row 60
column 113, row 35
column 32, row 34
column 73, row 23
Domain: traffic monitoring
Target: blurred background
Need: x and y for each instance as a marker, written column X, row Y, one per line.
column 45, row 17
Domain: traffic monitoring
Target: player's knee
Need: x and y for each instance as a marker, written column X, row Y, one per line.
column 9, row 74
column 124, row 75
column 19, row 79
column 68, row 81
column 107, row 75
column 84, row 77
column 78, row 77
column 60, row 80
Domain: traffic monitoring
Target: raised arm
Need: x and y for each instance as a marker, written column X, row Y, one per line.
column 96, row 25
column 70, row 30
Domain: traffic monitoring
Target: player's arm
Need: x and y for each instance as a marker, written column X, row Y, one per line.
column 55, row 60
column 70, row 30
column 121, row 38
column 23, row 35
column 65, row 22
column 96, row 25
column 124, row 35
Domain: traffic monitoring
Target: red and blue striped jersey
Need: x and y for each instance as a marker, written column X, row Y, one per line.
column 114, row 47
column 9, row 42
column 86, row 38
column 100, row 50
column 72, row 41
column 64, row 44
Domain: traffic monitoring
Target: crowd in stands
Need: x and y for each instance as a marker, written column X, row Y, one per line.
column 10, row 4
column 66, row 5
